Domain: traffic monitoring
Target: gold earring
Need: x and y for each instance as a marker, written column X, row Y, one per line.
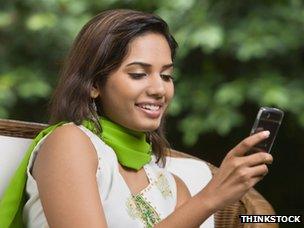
column 94, row 93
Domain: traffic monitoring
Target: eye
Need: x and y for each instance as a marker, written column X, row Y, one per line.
column 167, row 77
column 137, row 75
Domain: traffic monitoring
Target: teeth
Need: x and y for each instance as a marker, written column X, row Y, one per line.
column 150, row 107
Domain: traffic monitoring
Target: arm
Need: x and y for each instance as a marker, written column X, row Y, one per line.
column 65, row 172
column 236, row 175
column 183, row 194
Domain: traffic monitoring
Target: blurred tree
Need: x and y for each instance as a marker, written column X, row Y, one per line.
column 231, row 54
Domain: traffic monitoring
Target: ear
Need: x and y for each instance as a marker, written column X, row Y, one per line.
column 94, row 92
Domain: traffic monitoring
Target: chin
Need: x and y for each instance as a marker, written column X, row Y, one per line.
column 148, row 125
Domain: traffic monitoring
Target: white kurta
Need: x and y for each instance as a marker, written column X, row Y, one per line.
column 120, row 207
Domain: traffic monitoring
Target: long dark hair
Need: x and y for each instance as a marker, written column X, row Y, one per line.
column 98, row 50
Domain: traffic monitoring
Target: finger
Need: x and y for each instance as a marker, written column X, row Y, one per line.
column 258, row 171
column 257, row 159
column 249, row 142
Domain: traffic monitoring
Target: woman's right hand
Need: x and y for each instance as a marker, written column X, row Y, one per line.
column 237, row 173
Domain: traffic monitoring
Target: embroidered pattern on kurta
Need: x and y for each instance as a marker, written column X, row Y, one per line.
column 163, row 186
column 139, row 207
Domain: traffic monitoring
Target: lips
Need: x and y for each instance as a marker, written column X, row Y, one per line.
column 151, row 110
column 151, row 107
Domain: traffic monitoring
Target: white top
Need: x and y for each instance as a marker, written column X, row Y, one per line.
column 158, row 198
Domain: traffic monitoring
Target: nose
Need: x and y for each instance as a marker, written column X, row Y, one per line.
column 157, row 86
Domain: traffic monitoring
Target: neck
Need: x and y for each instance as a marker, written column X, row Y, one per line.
column 131, row 147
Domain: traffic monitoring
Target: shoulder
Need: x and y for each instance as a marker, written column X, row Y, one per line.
column 183, row 194
column 67, row 132
column 67, row 144
column 65, row 172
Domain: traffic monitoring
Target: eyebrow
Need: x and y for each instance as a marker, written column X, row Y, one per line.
column 146, row 65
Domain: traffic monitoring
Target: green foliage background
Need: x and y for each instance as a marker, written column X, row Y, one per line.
column 233, row 57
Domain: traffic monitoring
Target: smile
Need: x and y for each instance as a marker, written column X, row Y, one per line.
column 150, row 110
column 149, row 107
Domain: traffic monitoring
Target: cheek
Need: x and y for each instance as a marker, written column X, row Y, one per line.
column 122, row 92
column 170, row 91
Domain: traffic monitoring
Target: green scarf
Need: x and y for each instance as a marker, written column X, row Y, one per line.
column 130, row 146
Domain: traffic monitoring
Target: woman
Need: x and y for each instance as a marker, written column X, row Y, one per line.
column 97, row 170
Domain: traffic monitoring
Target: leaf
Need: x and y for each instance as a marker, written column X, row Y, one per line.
column 40, row 21
column 6, row 18
column 232, row 93
column 34, row 88
column 209, row 37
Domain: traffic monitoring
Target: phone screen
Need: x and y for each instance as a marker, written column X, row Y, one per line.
column 267, row 119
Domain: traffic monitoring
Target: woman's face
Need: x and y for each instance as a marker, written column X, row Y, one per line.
column 137, row 94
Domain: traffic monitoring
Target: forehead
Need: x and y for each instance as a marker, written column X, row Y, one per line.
column 152, row 48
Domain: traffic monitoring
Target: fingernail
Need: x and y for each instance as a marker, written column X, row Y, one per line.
column 268, row 159
column 266, row 133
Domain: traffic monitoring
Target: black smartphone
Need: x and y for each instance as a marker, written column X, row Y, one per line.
column 267, row 119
